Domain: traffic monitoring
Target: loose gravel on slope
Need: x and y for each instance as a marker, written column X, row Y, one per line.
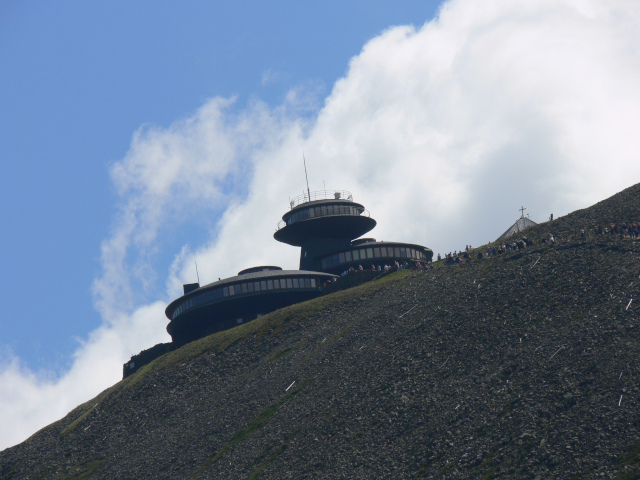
column 520, row 366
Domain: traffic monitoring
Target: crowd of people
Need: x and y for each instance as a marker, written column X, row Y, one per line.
column 469, row 254
column 393, row 267
column 632, row 230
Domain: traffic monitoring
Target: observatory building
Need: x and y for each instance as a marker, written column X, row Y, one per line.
column 325, row 225
column 224, row 304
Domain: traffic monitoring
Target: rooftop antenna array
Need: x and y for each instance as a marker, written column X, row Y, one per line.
column 306, row 176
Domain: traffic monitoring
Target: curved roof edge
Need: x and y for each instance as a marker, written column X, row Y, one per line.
column 249, row 276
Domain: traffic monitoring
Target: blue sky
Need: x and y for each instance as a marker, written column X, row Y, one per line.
column 137, row 138
column 79, row 78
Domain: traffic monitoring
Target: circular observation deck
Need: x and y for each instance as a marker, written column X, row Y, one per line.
column 228, row 302
column 326, row 214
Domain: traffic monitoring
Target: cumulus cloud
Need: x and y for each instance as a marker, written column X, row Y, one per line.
column 31, row 400
column 442, row 131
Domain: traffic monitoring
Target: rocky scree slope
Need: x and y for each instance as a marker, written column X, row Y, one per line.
column 521, row 366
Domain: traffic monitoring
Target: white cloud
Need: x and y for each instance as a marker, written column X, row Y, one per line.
column 29, row 401
column 443, row 132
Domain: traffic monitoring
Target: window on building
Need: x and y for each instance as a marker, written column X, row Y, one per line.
column 356, row 255
column 244, row 288
column 250, row 287
column 225, row 291
column 397, row 251
column 376, row 252
column 296, row 283
column 263, row 285
column 341, row 257
column 335, row 259
column 313, row 283
column 369, row 252
column 403, row 252
column 289, row 283
column 347, row 256
column 307, row 283
column 269, row 284
column 324, row 263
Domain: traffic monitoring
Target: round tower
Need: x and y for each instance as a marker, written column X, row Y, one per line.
column 326, row 225
column 322, row 222
column 228, row 302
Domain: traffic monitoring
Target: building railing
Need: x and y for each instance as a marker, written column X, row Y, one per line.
column 320, row 195
column 304, row 215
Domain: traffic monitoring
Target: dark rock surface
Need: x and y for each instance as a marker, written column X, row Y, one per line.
column 523, row 365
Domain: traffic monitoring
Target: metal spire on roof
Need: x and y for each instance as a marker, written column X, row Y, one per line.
column 305, row 175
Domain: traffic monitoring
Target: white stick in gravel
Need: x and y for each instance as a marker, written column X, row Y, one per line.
column 629, row 304
column 408, row 311
column 556, row 352
column 290, row 386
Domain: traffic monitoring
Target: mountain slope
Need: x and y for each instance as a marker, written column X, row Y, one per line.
column 523, row 365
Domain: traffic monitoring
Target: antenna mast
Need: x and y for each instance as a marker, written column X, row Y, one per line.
column 197, row 274
column 306, row 176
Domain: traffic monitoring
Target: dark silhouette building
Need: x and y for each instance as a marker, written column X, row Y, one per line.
column 235, row 300
column 325, row 225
